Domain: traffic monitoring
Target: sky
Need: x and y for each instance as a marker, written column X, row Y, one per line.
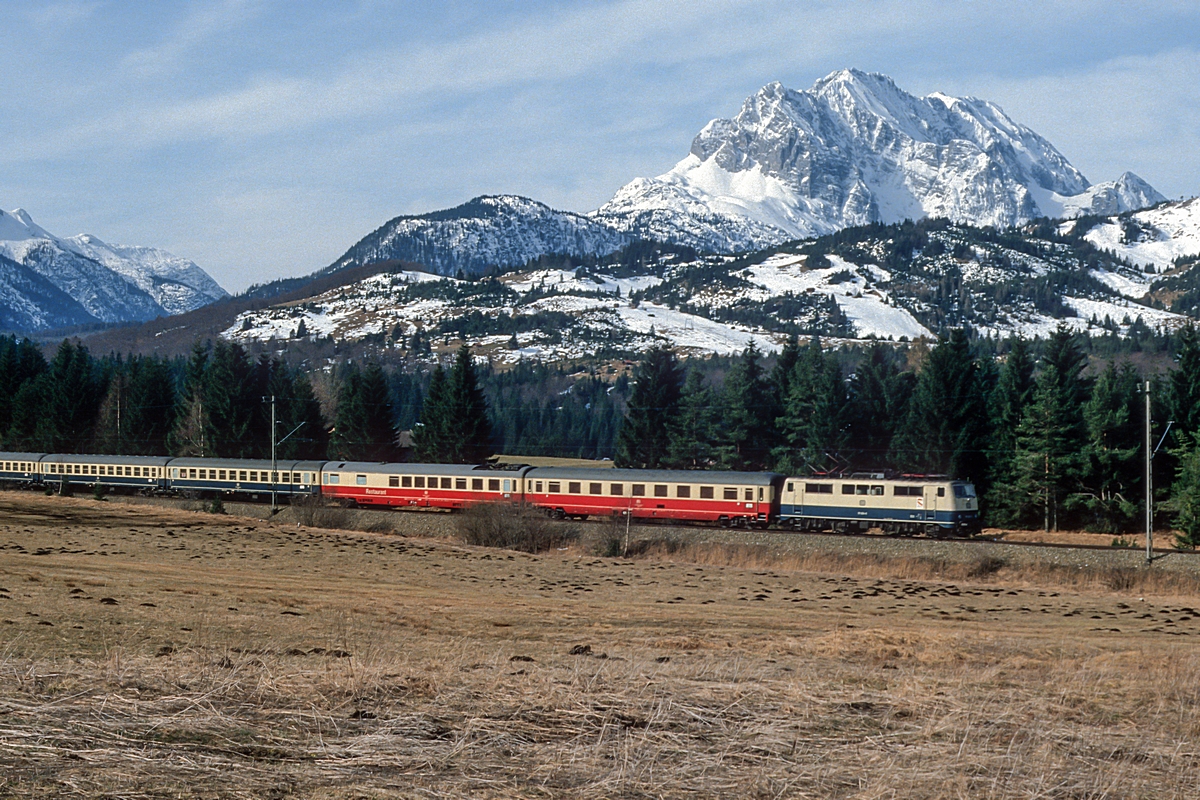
column 262, row 139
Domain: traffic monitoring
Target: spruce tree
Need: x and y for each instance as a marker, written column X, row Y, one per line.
column 469, row 427
column 1112, row 470
column 946, row 423
column 811, row 429
column 643, row 441
column 1051, row 437
column 1012, row 396
column 375, row 400
column 432, row 434
column 233, row 402
column 311, row 442
column 692, row 443
column 878, row 404
column 1184, row 387
column 192, row 432
column 1185, row 493
column 747, row 427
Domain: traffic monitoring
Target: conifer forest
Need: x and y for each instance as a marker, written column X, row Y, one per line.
column 1051, row 431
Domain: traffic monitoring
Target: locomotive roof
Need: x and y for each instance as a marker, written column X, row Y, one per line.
column 661, row 475
column 423, row 469
column 282, row 465
column 84, row 458
column 861, row 479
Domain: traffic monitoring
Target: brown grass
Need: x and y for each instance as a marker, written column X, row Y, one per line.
column 242, row 658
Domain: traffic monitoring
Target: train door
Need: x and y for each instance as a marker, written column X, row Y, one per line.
column 930, row 502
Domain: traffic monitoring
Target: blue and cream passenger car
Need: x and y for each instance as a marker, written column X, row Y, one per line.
column 935, row 506
column 21, row 467
column 243, row 476
column 145, row 473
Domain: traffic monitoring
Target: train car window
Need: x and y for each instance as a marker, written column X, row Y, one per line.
column 296, row 477
column 394, row 481
column 419, row 481
column 406, row 481
column 447, row 483
column 877, row 491
column 508, row 484
column 334, row 478
column 941, row 491
column 203, row 473
column 493, row 484
column 221, row 475
column 638, row 490
column 361, row 480
column 460, row 483
column 537, row 486
column 660, row 490
column 616, row 488
column 847, row 488
column 706, row 493
column 683, row 491
column 730, row 493
column 274, row 477
column 554, row 487
column 477, row 484
column 595, row 488
column 574, row 488
column 760, row 494
column 254, row 476
column 749, row 494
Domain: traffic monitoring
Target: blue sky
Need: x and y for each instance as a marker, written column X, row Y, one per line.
column 262, row 139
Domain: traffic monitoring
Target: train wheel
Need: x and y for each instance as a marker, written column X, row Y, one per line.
column 723, row 522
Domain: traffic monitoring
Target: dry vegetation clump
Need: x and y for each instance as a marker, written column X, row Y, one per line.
column 513, row 527
column 981, row 568
column 313, row 511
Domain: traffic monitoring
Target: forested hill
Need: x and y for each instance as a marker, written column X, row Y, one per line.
column 897, row 282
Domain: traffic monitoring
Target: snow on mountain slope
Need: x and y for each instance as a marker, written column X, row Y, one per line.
column 107, row 283
column 177, row 284
column 503, row 231
column 30, row 302
column 856, row 149
column 1156, row 236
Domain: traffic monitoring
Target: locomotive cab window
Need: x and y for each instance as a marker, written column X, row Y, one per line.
column 961, row 490
column 941, row 491
column 706, row 493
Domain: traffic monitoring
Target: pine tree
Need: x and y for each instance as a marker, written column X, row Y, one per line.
column 1185, row 493
column 1111, row 472
column 747, row 426
column 811, row 429
column 470, row 427
column 643, row 441
column 152, row 405
column 311, row 442
column 74, row 391
column 878, row 403
column 1051, row 437
column 431, row 435
column 1012, row 396
column 192, row 432
column 946, row 422
column 233, row 402
column 694, row 432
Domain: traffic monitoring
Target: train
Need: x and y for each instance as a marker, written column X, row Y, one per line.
column 932, row 505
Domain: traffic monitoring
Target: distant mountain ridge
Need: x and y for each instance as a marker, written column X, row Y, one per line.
column 852, row 150
column 50, row 282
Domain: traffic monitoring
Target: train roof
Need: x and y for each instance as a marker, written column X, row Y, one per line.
column 90, row 458
column 424, row 469
column 22, row 456
column 283, row 465
column 660, row 475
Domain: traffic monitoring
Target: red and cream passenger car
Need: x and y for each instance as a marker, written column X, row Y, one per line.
column 727, row 498
column 419, row 485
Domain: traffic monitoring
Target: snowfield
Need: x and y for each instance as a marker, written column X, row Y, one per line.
column 1172, row 231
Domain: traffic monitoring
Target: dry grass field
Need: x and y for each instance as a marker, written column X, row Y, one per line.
column 154, row 652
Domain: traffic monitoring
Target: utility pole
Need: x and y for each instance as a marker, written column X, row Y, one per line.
column 1149, row 486
column 274, row 465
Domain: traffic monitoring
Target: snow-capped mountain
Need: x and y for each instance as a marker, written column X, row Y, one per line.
column 856, row 149
column 503, row 231
column 51, row 282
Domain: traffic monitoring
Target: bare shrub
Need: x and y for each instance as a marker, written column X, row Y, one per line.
column 313, row 511
column 983, row 566
column 513, row 528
